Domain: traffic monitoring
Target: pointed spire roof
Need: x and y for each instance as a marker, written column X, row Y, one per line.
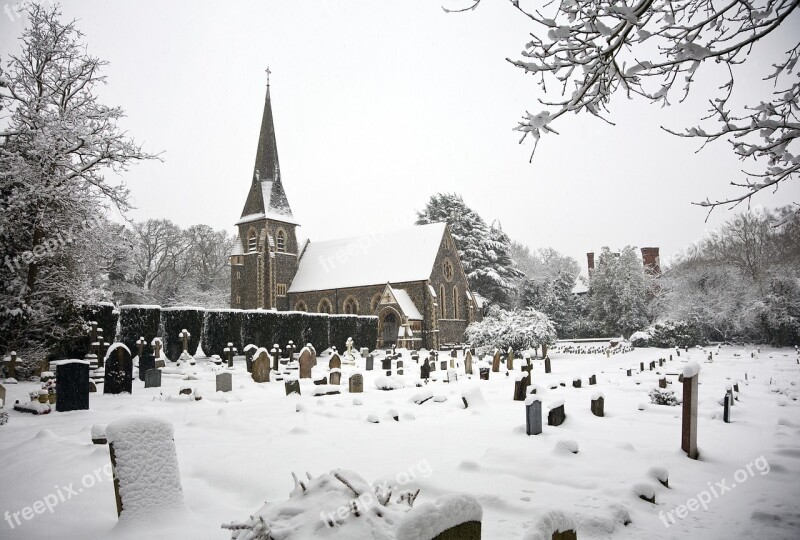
column 267, row 198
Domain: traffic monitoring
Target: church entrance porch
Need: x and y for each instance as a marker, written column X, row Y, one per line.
column 388, row 327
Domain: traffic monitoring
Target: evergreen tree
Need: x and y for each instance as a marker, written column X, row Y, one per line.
column 618, row 289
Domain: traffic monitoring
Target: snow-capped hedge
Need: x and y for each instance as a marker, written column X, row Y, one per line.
column 363, row 330
column 176, row 319
column 220, row 327
column 668, row 334
column 316, row 330
column 137, row 321
column 258, row 328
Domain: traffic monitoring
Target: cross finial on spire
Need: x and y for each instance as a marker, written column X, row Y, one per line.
column 268, row 74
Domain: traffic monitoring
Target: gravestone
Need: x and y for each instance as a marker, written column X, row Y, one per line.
column 249, row 351
column 161, row 364
column 592, row 380
column 72, row 385
column 662, row 382
column 335, row 362
column 468, row 363
column 453, row 353
column 356, row 383
column 321, row 381
column 576, row 383
column 598, row 404
column 660, row 362
column 364, row 352
column 547, row 364
column 306, row 362
column 496, row 361
column 157, row 346
column 641, row 366
column 689, row 417
column 386, row 365
column 261, row 367
column 224, row 382
column 229, row 351
column 556, row 416
column 292, row 386
column 652, row 365
column 452, row 362
column 335, row 377
column 443, row 365
column 11, row 365
column 370, row 362
column 484, row 373
column 726, row 409
column 275, row 358
column 425, row 370
column 152, row 378
column 521, row 387
column 119, row 371
column 2, row 396
column 628, row 372
column 510, row 359
column 184, row 336
column 146, row 362
column 533, row 416
column 400, row 367
column 140, row 343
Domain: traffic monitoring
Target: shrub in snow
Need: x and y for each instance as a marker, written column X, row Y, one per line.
column 645, row 492
column 661, row 474
column 429, row 520
column 389, row 383
column 663, row 397
column 549, row 524
column 139, row 321
column 221, row 326
column 77, row 345
column 519, row 329
column 640, row 339
column 176, row 319
column 669, row 334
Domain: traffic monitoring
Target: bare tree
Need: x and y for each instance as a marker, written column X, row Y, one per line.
column 591, row 49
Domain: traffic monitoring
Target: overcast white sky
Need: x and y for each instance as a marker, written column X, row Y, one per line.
column 378, row 105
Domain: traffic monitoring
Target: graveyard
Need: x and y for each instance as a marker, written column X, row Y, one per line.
column 581, row 447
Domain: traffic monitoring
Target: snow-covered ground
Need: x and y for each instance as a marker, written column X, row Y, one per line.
column 237, row 450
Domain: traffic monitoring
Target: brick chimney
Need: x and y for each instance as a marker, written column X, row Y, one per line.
column 590, row 261
column 651, row 260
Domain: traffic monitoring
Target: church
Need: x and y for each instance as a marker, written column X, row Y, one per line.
column 421, row 298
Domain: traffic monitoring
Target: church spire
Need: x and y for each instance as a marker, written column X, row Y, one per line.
column 267, row 167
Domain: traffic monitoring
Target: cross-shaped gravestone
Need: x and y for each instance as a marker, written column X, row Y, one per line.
column 140, row 343
column 229, row 351
column 349, row 344
column 11, row 365
column 156, row 343
column 185, row 335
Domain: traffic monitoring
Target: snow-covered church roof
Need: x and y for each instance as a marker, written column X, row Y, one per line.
column 404, row 301
column 370, row 259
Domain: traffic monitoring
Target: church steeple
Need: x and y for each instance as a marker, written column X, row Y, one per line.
column 266, row 191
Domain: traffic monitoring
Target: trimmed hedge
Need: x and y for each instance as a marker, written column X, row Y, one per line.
column 367, row 332
column 139, row 321
column 174, row 320
column 258, row 327
column 78, row 344
column 220, row 327
column 316, row 330
column 363, row 329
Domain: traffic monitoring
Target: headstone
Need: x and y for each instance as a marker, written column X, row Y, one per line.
column 652, row 365
column 468, row 363
column 276, row 358
column 576, row 383
column 689, row 417
column 598, row 404
column 386, row 364
column 292, row 386
column 261, row 367
column 229, row 351
column 510, row 359
column 156, row 344
column 146, row 362
column 119, row 372
column 496, row 361
column 11, row 365
column 726, row 410
column 72, row 385
column 662, row 382
column 336, row 377
column 533, row 416
column 335, row 362
column 152, row 378
column 660, row 362
column 628, row 372
column 224, row 382
column 425, row 370
column 641, row 367
column 306, row 362
column 443, row 365
column 321, row 381
column 592, row 380
column 521, row 387
column 484, row 373
column 364, row 352
column 185, row 335
column 160, row 364
column 370, row 363
column 140, row 343
column 400, row 367
column 556, row 416
column 356, row 383
column 452, row 362
column 547, row 364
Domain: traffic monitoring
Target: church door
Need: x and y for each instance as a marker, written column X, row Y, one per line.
column 390, row 328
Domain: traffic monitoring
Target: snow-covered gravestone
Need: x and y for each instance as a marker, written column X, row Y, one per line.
column 157, row 346
column 356, row 383
column 140, row 343
column 261, row 366
column 533, row 415
column 510, row 359
column 468, row 363
column 496, row 361
column 400, row 367
column 425, row 370
column 147, row 481
column 450, row 517
column 691, row 373
column 229, row 351
column 146, row 363
column 557, row 415
column 335, row 362
column 598, row 404
column 249, row 351
column 349, row 344
column 306, row 362
column 119, row 370
column 521, row 386
column 224, row 382
column 335, row 376
column 11, row 365
column 72, row 385
column 726, row 410
column 547, row 368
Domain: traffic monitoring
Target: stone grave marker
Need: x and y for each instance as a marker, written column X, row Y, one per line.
column 726, row 409
column 370, row 362
column 224, row 382
column 652, row 365
column 660, row 362
column 598, row 403
column 152, row 378
column 547, row 364
column 184, row 335
column 662, row 382
column 452, row 362
column 496, row 361
column 556, row 416
column 425, row 370
column 364, row 352
column 510, row 359
column 276, row 358
column 356, row 383
column 628, row 372
column 443, row 365
column 160, row 364
column 691, row 374
column 72, row 385
column 321, row 381
column 335, row 362
column 533, row 415
column 140, row 343
column 468, row 363
column 592, row 380
column 335, row 377
column 292, row 386
column 11, row 365
column 249, row 351
column 641, row 366
column 306, row 362
column 386, row 365
column 576, row 383
column 157, row 346
column 229, row 351
column 521, row 387
column 146, row 362
column 261, row 367
column 484, row 373
column 119, row 371
column 400, row 367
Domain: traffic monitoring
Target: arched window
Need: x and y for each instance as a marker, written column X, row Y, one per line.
column 351, row 305
column 373, row 304
column 442, row 307
column 281, row 241
column 300, row 306
column 252, row 240
column 455, row 303
column 324, row 306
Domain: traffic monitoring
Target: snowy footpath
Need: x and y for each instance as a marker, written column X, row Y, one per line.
column 237, row 450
